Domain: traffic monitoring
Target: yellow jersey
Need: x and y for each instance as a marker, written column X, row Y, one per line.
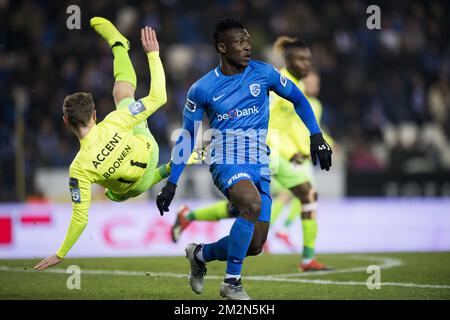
column 111, row 155
column 288, row 134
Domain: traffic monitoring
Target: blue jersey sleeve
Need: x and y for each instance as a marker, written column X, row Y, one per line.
column 285, row 88
column 278, row 83
column 195, row 103
column 183, row 149
column 192, row 112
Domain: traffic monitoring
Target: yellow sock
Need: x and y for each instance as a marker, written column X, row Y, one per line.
column 217, row 211
column 123, row 68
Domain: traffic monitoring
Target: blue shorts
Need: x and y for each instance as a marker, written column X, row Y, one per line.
column 226, row 175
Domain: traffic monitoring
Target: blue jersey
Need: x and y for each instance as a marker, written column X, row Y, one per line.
column 237, row 107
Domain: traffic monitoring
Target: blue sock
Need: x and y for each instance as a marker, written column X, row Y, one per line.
column 240, row 237
column 216, row 250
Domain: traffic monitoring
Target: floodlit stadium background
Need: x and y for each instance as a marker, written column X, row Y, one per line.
column 385, row 94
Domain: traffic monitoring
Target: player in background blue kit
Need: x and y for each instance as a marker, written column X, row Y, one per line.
column 235, row 98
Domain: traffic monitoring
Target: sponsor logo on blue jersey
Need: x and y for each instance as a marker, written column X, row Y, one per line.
column 238, row 113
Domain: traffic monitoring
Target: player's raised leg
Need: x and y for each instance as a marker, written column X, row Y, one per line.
column 124, row 74
column 123, row 93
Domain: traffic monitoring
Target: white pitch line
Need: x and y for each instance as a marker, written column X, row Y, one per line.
column 383, row 262
column 101, row 272
column 347, row 283
column 386, row 263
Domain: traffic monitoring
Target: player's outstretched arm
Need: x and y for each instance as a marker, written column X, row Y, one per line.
column 48, row 262
column 185, row 142
column 80, row 189
column 192, row 114
column 149, row 40
column 157, row 95
column 76, row 227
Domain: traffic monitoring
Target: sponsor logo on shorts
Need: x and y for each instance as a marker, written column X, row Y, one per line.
column 136, row 107
column 238, row 176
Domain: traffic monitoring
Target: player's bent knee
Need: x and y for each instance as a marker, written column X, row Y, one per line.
column 122, row 90
column 254, row 250
column 309, row 209
column 315, row 196
column 312, row 195
column 308, row 195
column 303, row 192
column 251, row 208
column 255, row 206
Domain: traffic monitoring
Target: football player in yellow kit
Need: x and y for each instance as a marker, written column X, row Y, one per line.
column 119, row 153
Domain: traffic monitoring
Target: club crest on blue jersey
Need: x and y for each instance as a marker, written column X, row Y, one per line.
column 283, row 80
column 136, row 107
column 255, row 89
column 191, row 105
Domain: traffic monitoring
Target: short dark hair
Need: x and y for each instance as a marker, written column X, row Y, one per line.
column 284, row 43
column 78, row 109
column 300, row 44
column 223, row 25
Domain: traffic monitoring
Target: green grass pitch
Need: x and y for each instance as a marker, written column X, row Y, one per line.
column 403, row 276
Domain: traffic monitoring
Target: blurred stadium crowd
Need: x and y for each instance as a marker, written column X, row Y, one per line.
column 385, row 92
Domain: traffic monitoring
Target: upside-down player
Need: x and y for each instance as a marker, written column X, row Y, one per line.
column 119, row 152
column 292, row 171
column 235, row 97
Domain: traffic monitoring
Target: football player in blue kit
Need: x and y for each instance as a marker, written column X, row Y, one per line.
column 235, row 98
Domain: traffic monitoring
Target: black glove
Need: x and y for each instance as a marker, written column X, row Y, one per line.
column 165, row 197
column 320, row 149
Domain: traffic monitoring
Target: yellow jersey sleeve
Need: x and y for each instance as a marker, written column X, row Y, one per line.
column 138, row 111
column 298, row 132
column 80, row 191
column 287, row 133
